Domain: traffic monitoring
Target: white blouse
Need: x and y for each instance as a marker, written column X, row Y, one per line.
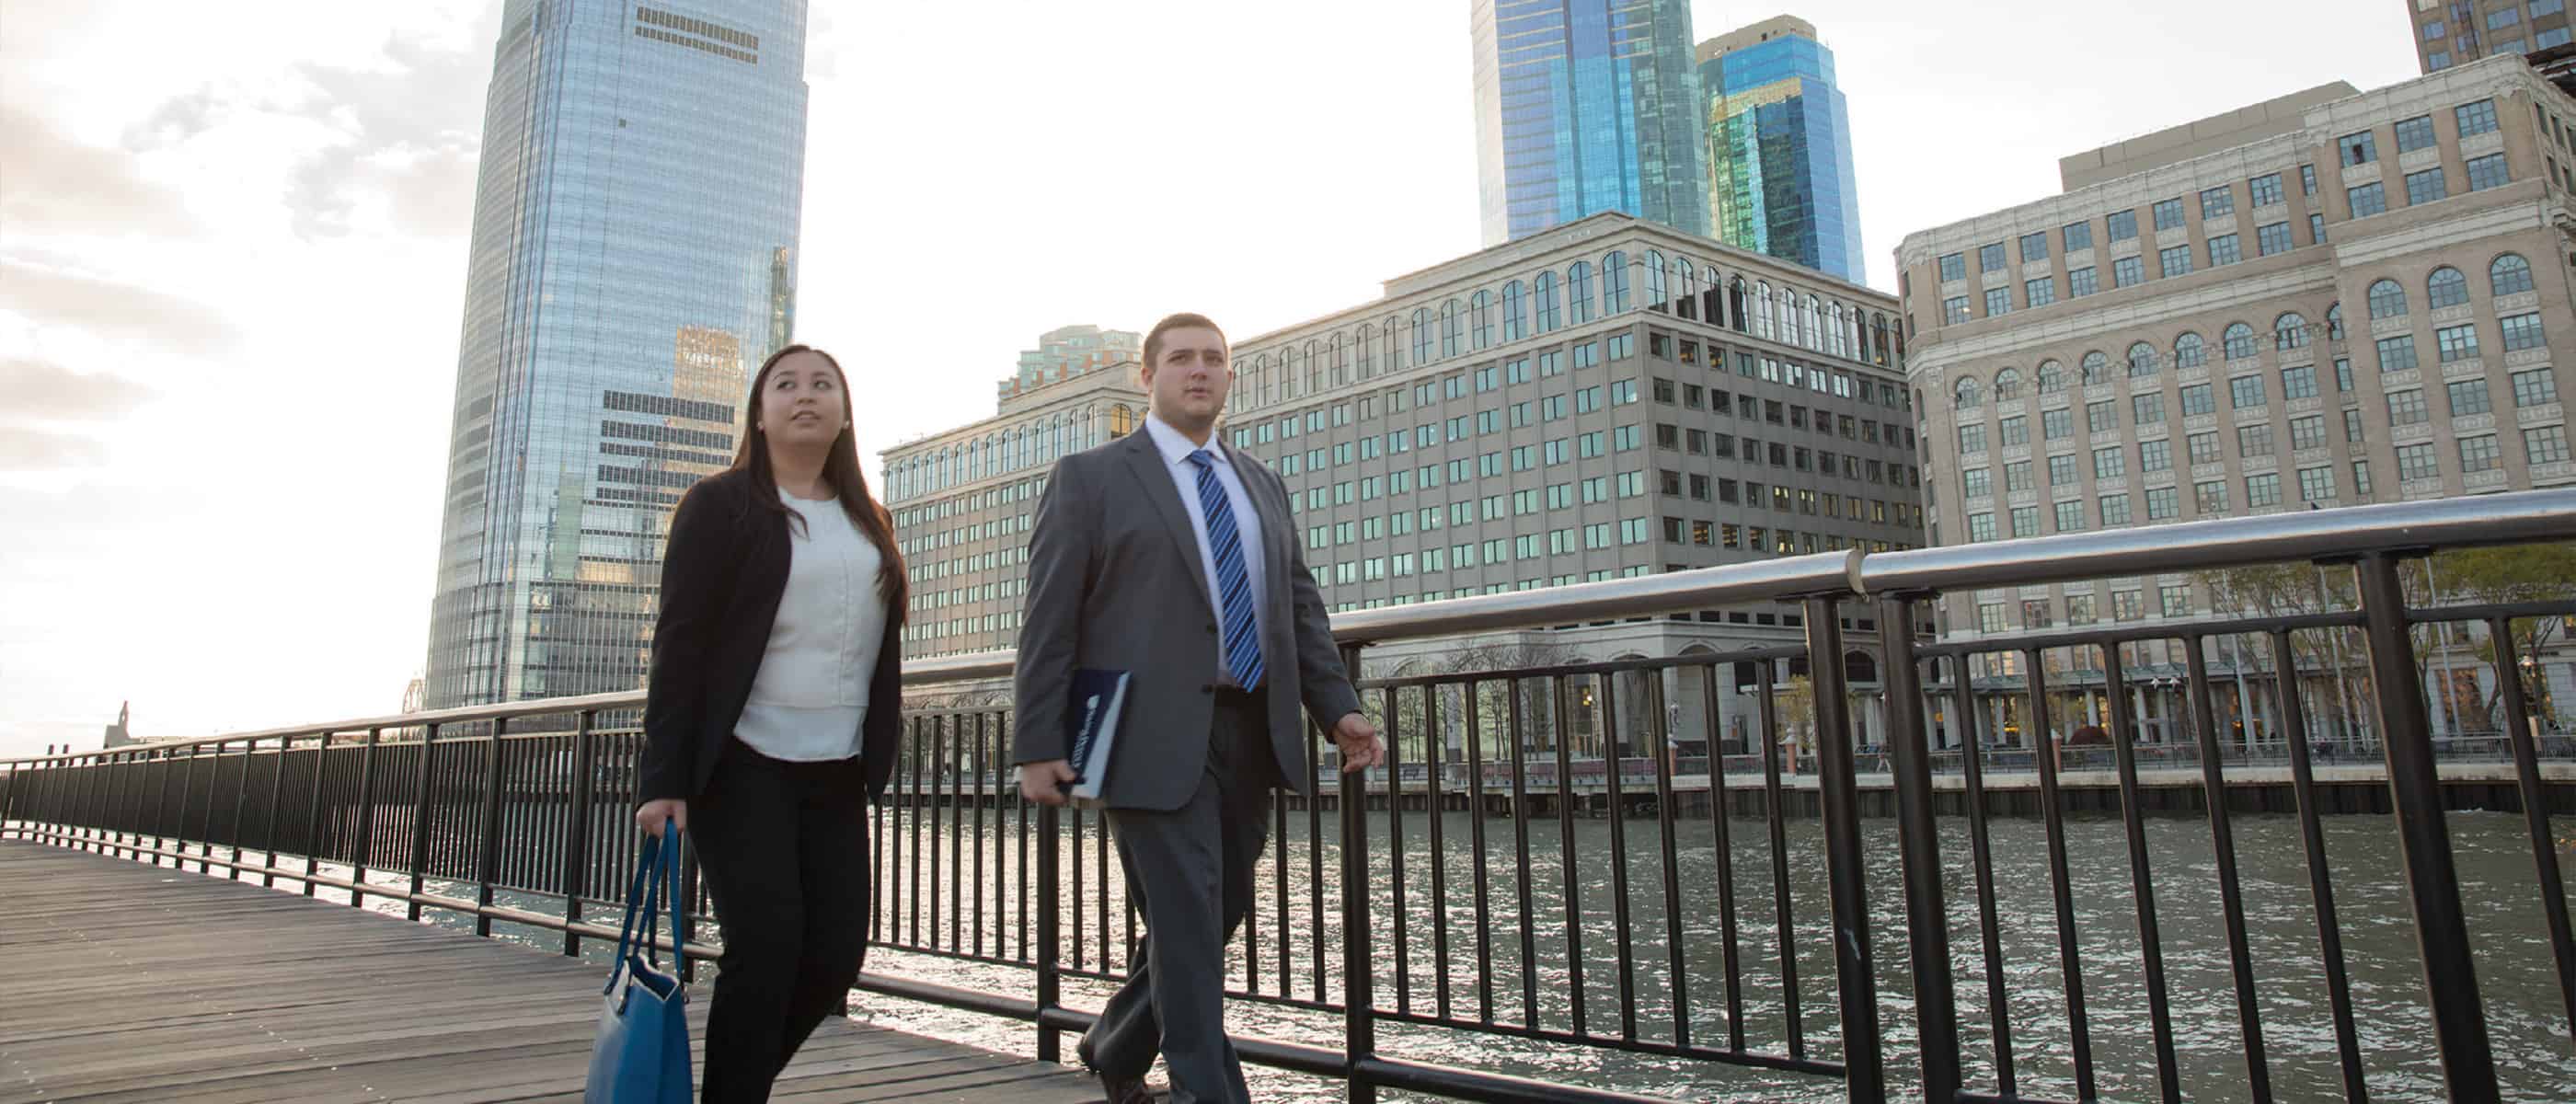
column 811, row 694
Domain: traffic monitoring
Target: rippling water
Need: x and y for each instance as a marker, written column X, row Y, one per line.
column 2526, row 1021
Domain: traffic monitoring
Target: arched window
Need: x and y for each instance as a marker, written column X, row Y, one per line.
column 1422, row 335
column 2008, row 385
column 2510, row 274
column 1689, row 275
column 1122, row 421
column 1842, row 346
column 2190, row 351
column 2334, row 322
column 1965, row 396
column 2052, row 377
column 1512, row 311
column 1811, row 320
column 1480, row 314
column 1578, row 292
column 1547, row 302
column 1366, row 347
column 2387, row 299
column 1450, row 335
column 2142, row 360
column 1394, row 343
column 2239, row 340
column 2290, row 331
column 2097, row 368
column 1341, row 361
column 1656, row 297
column 1614, row 283
column 2445, row 288
column 1762, row 309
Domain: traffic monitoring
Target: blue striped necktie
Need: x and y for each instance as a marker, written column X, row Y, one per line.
column 1242, row 630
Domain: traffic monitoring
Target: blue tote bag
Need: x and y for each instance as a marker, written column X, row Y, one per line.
column 642, row 1055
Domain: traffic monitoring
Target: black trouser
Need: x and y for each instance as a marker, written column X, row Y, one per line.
column 1190, row 870
column 785, row 850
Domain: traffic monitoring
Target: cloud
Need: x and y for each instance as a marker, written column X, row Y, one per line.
column 111, row 309
column 41, row 391
column 57, row 184
column 25, row 450
column 413, row 118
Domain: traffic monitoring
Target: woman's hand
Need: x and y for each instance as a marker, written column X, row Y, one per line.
column 651, row 814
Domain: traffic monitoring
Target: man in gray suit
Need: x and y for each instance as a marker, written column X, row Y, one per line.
column 1168, row 556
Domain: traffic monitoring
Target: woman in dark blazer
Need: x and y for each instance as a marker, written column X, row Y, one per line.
column 771, row 708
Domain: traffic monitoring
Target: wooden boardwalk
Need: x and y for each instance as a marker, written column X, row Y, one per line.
column 124, row 982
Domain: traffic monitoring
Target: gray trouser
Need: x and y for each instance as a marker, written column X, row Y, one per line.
column 1190, row 872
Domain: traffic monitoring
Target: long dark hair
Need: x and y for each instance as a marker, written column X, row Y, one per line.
column 840, row 470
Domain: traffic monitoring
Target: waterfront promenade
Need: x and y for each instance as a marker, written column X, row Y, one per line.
column 128, row 982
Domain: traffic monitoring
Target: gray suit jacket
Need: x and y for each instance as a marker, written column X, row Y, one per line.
column 1115, row 582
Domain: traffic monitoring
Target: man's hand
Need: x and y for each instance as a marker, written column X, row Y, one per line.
column 651, row 815
column 1043, row 782
column 1358, row 741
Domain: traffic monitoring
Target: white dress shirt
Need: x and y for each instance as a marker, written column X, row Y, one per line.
column 811, row 694
column 1176, row 450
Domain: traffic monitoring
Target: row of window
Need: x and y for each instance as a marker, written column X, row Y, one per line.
column 2445, row 42
column 2531, row 389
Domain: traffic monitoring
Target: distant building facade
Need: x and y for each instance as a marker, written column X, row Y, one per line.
column 2334, row 298
column 1780, row 148
column 2456, row 32
column 1067, row 352
column 1585, row 106
column 633, row 256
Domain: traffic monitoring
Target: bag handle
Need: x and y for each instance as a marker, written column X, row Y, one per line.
column 644, row 894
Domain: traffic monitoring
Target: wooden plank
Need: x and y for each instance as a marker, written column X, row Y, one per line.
column 129, row 982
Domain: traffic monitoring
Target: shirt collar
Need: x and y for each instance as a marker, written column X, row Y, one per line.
column 1176, row 448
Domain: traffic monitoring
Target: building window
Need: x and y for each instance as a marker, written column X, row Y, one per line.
column 2468, row 396
column 2308, row 432
column 2556, row 36
column 2272, row 238
column 2545, row 445
column 2437, row 61
column 2316, row 484
column 1954, row 266
column 2040, row 292
column 2488, row 172
column 2501, row 19
column 1981, row 527
column 2245, row 392
column 2101, row 417
column 2162, row 503
column 2446, row 288
column 2387, row 299
column 2174, row 262
column 2123, row 225
column 2357, row 149
column 2130, row 271
column 2110, row 463
column 2209, row 497
column 2317, row 229
column 2510, row 274
column 2367, row 200
column 1954, row 309
column 2190, row 351
column 2115, row 510
column 2080, row 282
column 2414, row 134
column 1998, row 301
column 2475, row 118
column 2265, row 189
column 2174, row 599
column 2480, row 453
column 2457, row 342
column 2406, row 407
column 2142, row 360
column 2254, row 440
column 2290, row 331
column 2169, row 213
column 2147, row 409
column 2535, row 388
column 2361, row 478
column 2061, row 471
column 2070, row 516
column 2307, row 180
column 2057, row 425
column 2239, row 340
column 2197, row 399
column 2076, row 235
column 2396, row 354
column 2417, row 462
column 1972, row 439
column 2425, row 186
column 2343, row 373
column 2155, row 456
column 2016, row 430
column 2034, row 247
column 2352, row 427
column 2263, row 490
column 2224, row 251
column 1990, row 258
column 2217, row 201
column 2299, row 382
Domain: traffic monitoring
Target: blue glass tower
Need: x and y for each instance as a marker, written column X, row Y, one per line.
column 633, row 257
column 1779, row 148
column 1585, row 106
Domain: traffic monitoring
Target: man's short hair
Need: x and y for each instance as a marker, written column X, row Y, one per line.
column 1170, row 322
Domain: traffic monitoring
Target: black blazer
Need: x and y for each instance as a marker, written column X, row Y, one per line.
column 723, row 570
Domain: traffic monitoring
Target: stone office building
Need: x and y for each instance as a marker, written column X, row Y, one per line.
column 1604, row 399
column 2334, row 298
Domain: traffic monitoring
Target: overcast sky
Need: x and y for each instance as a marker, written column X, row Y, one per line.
column 232, row 252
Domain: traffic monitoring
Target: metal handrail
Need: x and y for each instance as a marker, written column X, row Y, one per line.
column 2517, row 517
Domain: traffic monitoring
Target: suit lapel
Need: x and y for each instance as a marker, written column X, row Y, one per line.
column 1145, row 462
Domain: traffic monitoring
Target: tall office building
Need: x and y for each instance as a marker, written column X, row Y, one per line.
column 2332, row 298
column 633, row 257
column 2456, row 32
column 1585, row 106
column 1779, row 147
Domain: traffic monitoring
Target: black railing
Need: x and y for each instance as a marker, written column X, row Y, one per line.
column 1526, row 895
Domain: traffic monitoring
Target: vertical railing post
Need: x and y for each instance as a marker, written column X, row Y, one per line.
column 108, row 802
column 2423, row 836
column 313, row 815
column 365, row 850
column 1050, row 904
column 1359, row 978
column 1864, row 1068
column 161, row 804
column 276, row 793
column 487, row 859
column 206, row 824
column 420, row 818
column 577, row 831
column 241, row 797
column 84, row 832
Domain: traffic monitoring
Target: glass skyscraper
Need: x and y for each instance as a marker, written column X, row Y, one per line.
column 633, row 258
column 1585, row 106
column 1779, row 148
